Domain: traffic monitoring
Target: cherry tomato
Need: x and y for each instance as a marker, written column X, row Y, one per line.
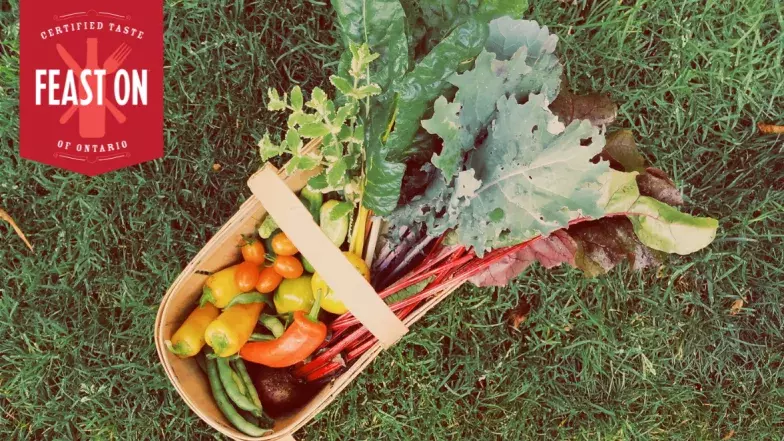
column 288, row 266
column 268, row 280
column 282, row 246
column 252, row 250
column 247, row 276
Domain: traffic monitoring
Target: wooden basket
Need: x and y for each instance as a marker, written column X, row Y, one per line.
column 274, row 193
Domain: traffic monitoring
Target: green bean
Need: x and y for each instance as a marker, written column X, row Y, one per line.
column 250, row 297
column 273, row 324
column 253, row 394
column 257, row 336
column 226, row 375
column 222, row 400
column 240, row 384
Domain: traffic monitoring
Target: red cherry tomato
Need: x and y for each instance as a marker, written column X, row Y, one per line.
column 282, row 246
column 247, row 276
column 253, row 250
column 268, row 280
column 288, row 266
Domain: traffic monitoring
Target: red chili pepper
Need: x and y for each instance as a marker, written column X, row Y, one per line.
column 300, row 340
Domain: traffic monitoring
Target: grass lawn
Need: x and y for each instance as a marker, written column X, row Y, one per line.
column 651, row 355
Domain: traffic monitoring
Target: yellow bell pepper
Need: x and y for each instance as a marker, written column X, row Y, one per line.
column 189, row 338
column 220, row 288
column 329, row 302
column 232, row 328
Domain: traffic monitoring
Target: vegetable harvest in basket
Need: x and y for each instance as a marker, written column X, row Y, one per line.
column 451, row 150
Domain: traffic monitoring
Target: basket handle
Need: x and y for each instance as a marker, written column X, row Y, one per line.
column 350, row 287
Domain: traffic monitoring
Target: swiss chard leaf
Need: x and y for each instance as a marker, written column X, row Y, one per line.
column 427, row 80
column 549, row 251
column 413, row 94
column 380, row 24
column 429, row 21
column 604, row 243
column 621, row 151
column 657, row 225
column 664, row 228
column 594, row 247
column 656, row 184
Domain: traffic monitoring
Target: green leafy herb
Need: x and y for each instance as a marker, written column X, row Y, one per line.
column 339, row 127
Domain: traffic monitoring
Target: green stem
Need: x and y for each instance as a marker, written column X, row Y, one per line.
column 314, row 311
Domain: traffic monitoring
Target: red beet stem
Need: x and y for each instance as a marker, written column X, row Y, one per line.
column 359, row 350
column 330, row 353
column 466, row 266
column 348, row 319
column 323, row 371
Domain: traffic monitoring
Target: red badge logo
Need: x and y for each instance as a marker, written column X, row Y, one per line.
column 91, row 88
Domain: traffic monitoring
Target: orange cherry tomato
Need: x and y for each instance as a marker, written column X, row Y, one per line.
column 288, row 266
column 282, row 246
column 247, row 276
column 252, row 250
column 268, row 280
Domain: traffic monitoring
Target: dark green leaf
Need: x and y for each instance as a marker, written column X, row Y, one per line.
column 427, row 81
column 384, row 179
column 414, row 93
column 380, row 24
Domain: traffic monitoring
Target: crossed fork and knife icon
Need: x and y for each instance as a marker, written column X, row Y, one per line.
column 111, row 65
